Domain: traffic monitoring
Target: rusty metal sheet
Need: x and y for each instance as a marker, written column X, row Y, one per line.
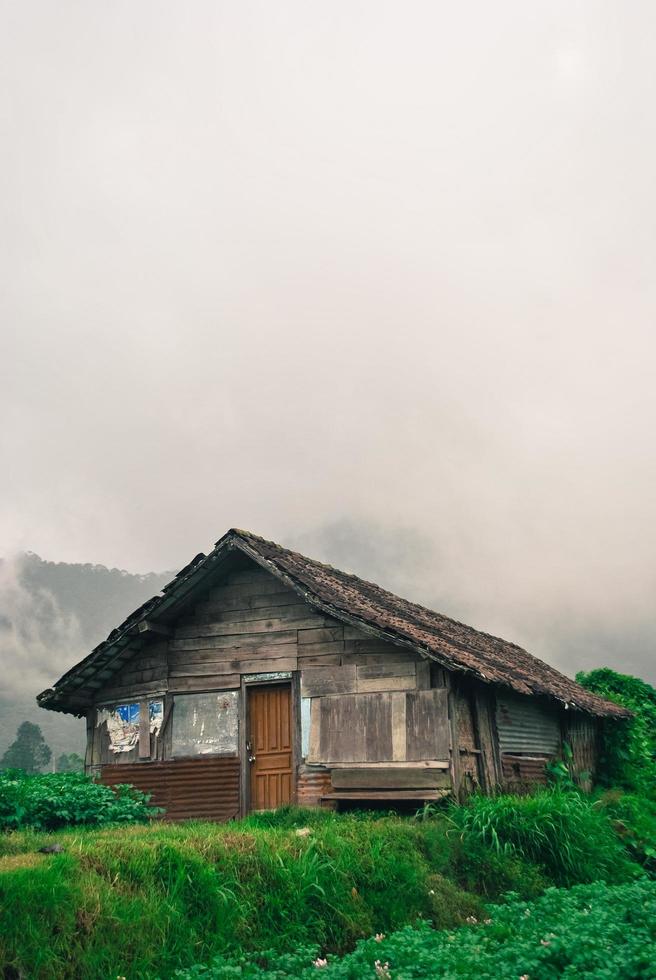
column 524, row 770
column 205, row 788
column 311, row 785
column 527, row 727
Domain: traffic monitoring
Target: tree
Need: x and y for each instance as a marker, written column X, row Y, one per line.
column 70, row 763
column 29, row 751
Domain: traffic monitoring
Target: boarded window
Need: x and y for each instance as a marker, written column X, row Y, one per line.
column 123, row 724
column 205, row 724
column 385, row 727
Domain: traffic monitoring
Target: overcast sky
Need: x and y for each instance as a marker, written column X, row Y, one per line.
column 379, row 265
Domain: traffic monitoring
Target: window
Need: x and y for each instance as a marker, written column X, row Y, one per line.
column 123, row 725
column 205, row 724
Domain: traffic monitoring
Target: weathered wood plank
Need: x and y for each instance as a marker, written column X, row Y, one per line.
column 423, row 675
column 231, row 654
column 268, row 586
column 327, row 635
column 428, row 764
column 298, row 611
column 375, row 658
column 274, row 625
column 391, row 795
column 219, row 682
column 373, row 645
column 399, row 734
column 320, row 660
column 378, row 726
column 342, row 735
column 427, row 725
column 109, row 695
column 319, row 681
column 254, row 666
column 314, row 749
column 318, row 649
column 383, row 777
column 243, row 603
column 369, row 671
column 407, row 682
column 225, row 642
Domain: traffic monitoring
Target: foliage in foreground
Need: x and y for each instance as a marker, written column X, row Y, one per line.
column 629, row 747
column 590, row 931
column 53, row 800
column 564, row 833
column 144, row 901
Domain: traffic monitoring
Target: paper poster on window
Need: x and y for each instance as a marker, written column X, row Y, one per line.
column 124, row 723
column 205, row 724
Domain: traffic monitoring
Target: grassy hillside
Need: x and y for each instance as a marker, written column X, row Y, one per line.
column 144, row 901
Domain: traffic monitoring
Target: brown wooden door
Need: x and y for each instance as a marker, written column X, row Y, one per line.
column 270, row 741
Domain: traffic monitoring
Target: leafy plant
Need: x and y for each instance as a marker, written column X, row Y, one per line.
column 564, row 833
column 590, row 932
column 53, row 800
column 628, row 757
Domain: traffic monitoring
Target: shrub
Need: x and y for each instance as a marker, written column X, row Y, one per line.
column 633, row 819
column 590, row 931
column 53, row 800
column 628, row 757
column 564, row 833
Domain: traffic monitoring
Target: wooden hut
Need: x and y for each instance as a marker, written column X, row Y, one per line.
column 260, row 677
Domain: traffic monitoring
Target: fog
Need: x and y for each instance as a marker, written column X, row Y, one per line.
column 371, row 279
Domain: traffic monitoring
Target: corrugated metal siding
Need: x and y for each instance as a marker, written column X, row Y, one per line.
column 312, row 784
column 206, row 789
column 521, row 771
column 526, row 727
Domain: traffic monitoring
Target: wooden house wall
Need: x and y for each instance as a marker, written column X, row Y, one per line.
column 368, row 702
column 365, row 702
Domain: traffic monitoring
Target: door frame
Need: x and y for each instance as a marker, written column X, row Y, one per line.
column 259, row 681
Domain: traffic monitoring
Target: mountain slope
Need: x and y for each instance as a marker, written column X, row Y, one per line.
column 51, row 615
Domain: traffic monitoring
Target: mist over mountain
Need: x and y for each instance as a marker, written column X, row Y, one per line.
column 51, row 615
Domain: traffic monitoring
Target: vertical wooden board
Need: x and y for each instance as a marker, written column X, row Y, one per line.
column 423, row 676
column 314, row 750
column 399, row 750
column 427, row 725
column 485, row 715
column 342, row 730
column 377, row 714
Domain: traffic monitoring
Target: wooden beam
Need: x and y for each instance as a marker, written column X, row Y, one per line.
column 148, row 626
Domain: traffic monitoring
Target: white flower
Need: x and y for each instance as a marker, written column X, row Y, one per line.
column 471, row 919
column 379, row 937
column 319, row 963
column 382, row 970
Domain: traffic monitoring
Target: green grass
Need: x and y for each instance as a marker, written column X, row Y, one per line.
column 144, row 900
column 141, row 901
column 591, row 932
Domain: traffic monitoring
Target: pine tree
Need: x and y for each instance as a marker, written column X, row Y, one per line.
column 29, row 751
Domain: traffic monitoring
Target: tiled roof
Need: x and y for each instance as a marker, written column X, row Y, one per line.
column 351, row 599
